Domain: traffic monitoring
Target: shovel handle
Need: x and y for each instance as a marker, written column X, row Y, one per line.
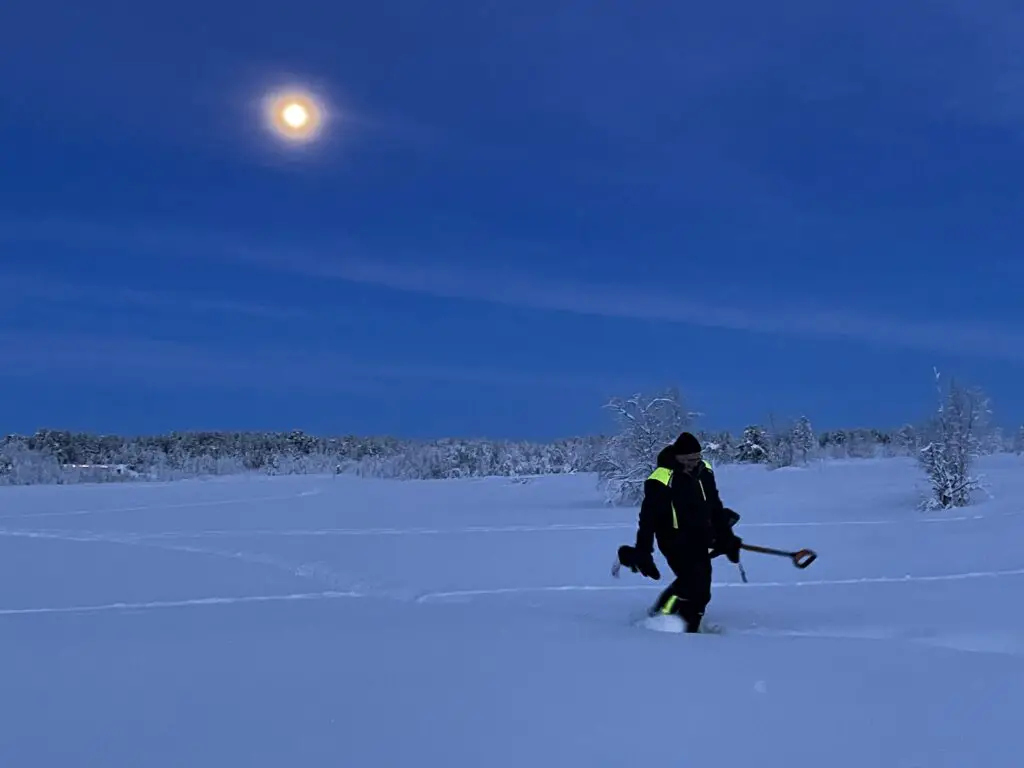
column 801, row 558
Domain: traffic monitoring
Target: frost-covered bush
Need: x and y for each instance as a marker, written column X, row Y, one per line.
column 954, row 441
column 646, row 424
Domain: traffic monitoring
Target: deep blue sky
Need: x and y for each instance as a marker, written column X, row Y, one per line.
column 517, row 210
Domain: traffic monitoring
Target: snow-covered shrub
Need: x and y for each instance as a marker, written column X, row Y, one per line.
column 1018, row 442
column 954, row 441
column 646, row 424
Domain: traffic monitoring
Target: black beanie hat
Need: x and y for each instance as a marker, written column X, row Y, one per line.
column 686, row 443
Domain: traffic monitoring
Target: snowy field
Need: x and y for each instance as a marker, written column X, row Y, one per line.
column 314, row 621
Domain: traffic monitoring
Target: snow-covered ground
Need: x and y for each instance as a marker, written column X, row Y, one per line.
column 308, row 621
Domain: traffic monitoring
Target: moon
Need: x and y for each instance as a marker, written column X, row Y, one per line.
column 294, row 115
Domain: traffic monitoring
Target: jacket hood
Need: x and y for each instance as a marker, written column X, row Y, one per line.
column 667, row 457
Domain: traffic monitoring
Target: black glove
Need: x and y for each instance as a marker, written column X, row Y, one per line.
column 635, row 560
column 729, row 545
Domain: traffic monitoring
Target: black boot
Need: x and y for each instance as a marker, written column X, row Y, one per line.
column 692, row 619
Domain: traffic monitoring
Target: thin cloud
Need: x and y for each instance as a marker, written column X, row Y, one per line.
column 61, row 291
column 106, row 357
column 426, row 275
column 653, row 304
column 99, row 357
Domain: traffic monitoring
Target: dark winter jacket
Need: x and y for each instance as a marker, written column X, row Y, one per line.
column 700, row 520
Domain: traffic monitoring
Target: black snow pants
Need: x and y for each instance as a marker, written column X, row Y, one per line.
column 689, row 594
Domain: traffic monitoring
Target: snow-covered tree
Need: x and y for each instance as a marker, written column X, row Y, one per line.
column 780, row 443
column 833, row 444
column 865, row 443
column 646, row 424
column 803, row 439
column 754, row 446
column 1018, row 442
column 21, row 464
column 789, row 443
column 992, row 440
column 905, row 442
column 719, row 447
column 953, row 443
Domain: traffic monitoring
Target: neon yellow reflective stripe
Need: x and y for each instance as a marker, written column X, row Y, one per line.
column 667, row 608
column 702, row 493
column 708, row 465
column 662, row 475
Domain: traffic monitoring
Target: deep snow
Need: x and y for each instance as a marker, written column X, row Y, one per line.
column 307, row 621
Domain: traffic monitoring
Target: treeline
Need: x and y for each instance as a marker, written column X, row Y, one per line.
column 54, row 456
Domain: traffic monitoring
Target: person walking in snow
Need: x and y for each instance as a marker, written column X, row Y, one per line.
column 681, row 509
